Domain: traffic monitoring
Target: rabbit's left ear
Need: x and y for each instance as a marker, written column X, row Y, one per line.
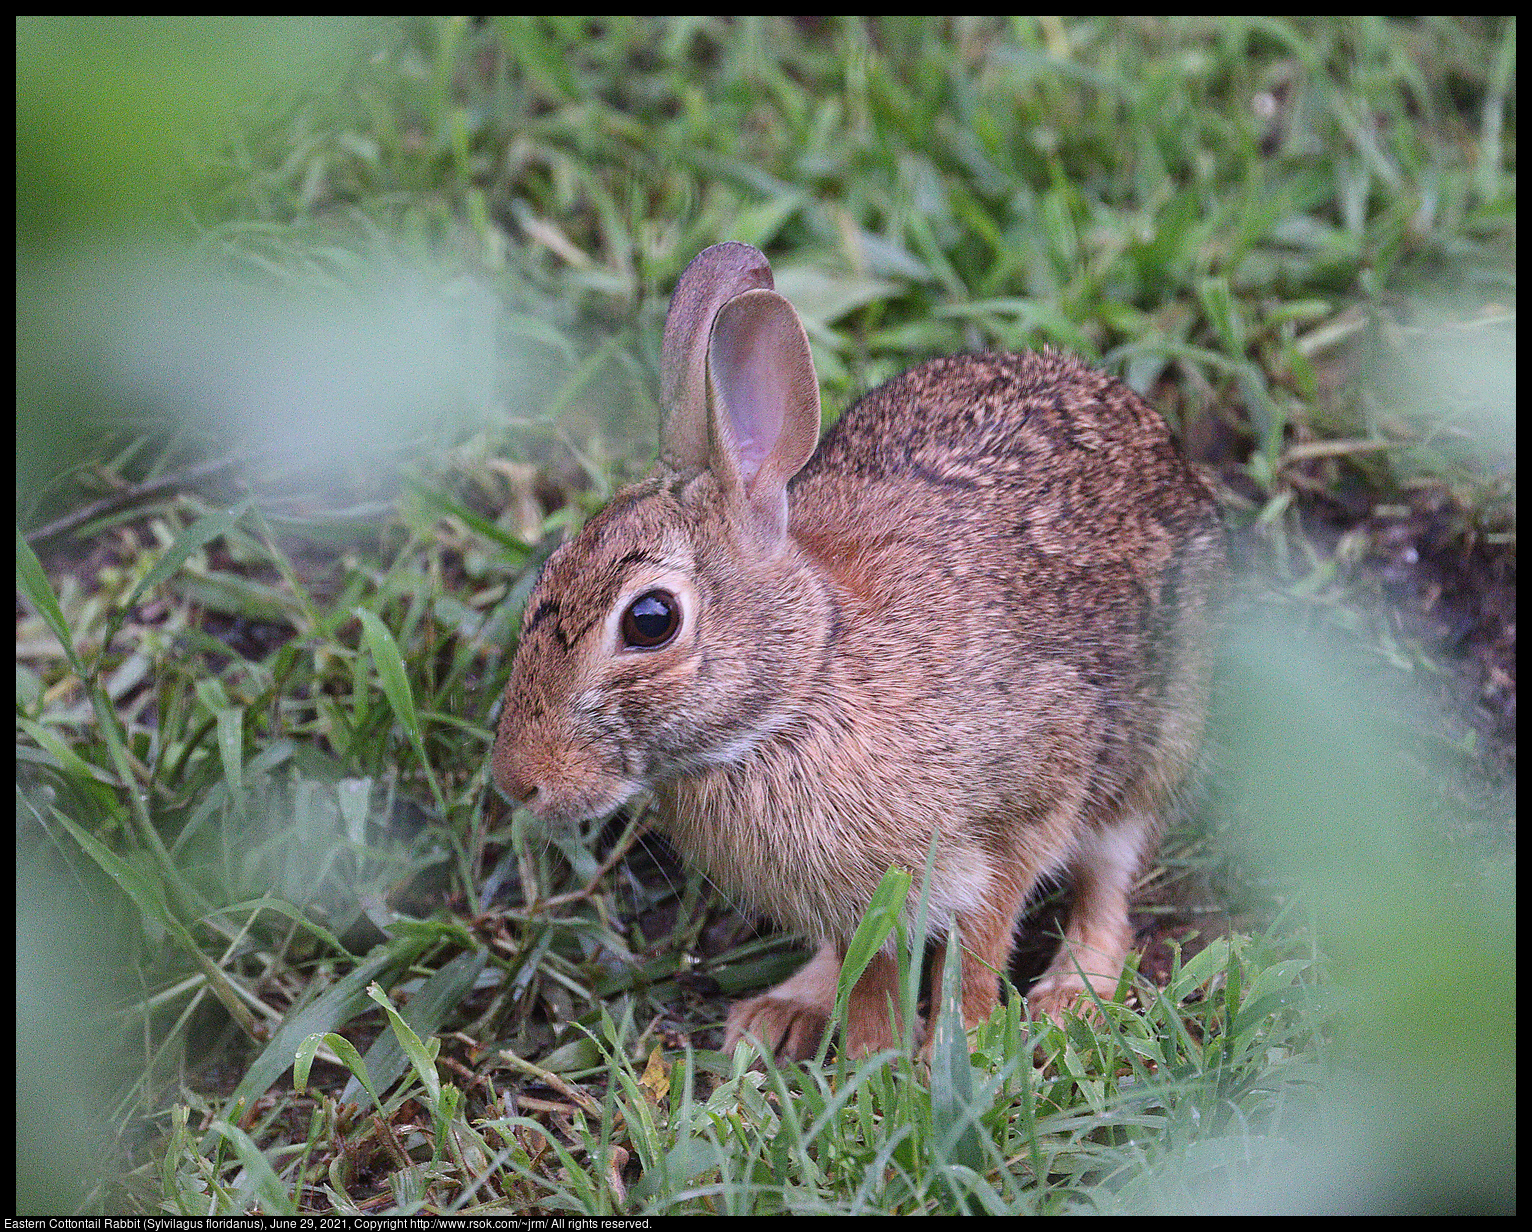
column 764, row 407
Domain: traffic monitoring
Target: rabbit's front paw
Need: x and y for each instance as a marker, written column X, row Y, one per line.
column 791, row 1029
column 1058, row 993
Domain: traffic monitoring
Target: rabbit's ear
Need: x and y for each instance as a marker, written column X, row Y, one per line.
column 714, row 277
column 765, row 407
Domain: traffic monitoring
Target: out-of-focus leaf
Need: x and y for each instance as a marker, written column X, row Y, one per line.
column 825, row 298
column 32, row 582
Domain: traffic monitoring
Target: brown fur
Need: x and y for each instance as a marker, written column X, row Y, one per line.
column 989, row 618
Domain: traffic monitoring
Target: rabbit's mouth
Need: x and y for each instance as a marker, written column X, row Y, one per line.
column 558, row 793
column 567, row 801
column 558, row 789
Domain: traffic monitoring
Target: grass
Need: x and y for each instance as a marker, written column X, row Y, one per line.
column 284, row 483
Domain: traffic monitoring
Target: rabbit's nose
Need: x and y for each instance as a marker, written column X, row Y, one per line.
column 518, row 789
column 513, row 776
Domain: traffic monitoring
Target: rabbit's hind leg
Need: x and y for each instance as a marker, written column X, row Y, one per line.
column 1098, row 936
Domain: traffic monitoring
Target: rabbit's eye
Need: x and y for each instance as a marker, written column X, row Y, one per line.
column 651, row 620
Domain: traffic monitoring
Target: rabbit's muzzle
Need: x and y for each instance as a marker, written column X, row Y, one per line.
column 558, row 779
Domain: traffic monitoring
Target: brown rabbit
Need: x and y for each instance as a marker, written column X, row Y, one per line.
column 980, row 611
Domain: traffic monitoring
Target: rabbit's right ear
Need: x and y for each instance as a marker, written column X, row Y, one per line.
column 715, row 276
column 765, row 409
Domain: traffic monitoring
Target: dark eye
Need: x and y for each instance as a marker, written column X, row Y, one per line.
column 651, row 620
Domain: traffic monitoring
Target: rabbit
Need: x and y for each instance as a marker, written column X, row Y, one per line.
column 981, row 611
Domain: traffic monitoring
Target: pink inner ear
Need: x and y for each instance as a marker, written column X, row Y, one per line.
column 745, row 364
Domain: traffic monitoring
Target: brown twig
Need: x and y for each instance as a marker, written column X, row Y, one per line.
column 550, row 1079
column 636, row 828
column 126, row 496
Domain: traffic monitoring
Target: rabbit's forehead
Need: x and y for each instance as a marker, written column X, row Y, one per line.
column 626, row 539
column 597, row 579
column 612, row 560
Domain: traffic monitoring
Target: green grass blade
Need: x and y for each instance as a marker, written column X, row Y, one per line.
column 445, row 506
column 396, row 687
column 343, row 1048
column 259, row 1176
column 303, row 1061
column 92, row 780
column 421, row 1056
column 144, row 892
column 203, row 531
column 335, row 1007
column 876, row 926
column 953, row 1117
column 32, row 582
column 147, row 897
column 231, row 748
column 391, row 674
column 427, row 1010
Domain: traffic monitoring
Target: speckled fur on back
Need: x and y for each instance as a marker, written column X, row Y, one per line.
column 1056, row 498
column 981, row 610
